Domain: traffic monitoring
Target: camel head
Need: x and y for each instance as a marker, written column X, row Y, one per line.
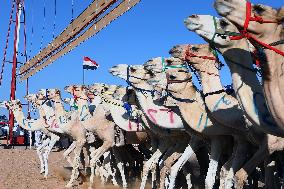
column 178, row 80
column 205, row 27
column 98, row 88
column 32, row 98
column 199, row 56
column 41, row 94
column 68, row 100
column 53, row 93
column 119, row 92
column 3, row 104
column 76, row 90
column 135, row 75
column 14, row 105
column 236, row 11
column 110, row 89
column 158, row 67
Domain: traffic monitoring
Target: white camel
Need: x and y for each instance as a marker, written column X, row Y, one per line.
column 262, row 31
column 248, row 89
column 155, row 112
column 34, row 125
column 64, row 123
column 191, row 104
column 109, row 135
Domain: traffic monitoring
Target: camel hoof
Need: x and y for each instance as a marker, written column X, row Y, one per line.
column 69, row 185
column 241, row 178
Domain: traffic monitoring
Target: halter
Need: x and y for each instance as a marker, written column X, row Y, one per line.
column 192, row 55
column 245, row 34
column 75, row 96
column 165, row 67
column 137, row 88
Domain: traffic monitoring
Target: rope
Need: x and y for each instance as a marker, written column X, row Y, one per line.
column 53, row 33
column 25, row 52
column 72, row 10
column 32, row 28
column 43, row 25
column 7, row 41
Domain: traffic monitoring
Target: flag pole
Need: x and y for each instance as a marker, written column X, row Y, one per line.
column 83, row 76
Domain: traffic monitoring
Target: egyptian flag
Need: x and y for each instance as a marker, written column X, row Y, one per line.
column 89, row 64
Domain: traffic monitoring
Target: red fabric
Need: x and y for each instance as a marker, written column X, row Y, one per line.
column 189, row 54
column 244, row 33
column 88, row 59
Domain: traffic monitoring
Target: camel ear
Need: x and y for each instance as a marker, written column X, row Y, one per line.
column 280, row 15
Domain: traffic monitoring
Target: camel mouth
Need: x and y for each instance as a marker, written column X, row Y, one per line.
column 3, row 105
column 191, row 23
column 177, row 52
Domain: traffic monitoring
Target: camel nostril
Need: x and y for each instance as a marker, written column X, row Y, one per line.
column 193, row 16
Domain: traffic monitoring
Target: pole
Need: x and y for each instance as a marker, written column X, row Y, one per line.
column 13, row 80
column 83, row 76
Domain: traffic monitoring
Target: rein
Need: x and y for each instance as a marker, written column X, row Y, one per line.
column 245, row 34
column 137, row 88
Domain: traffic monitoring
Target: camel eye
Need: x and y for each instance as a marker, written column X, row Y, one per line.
column 195, row 49
column 151, row 73
column 132, row 69
column 223, row 23
column 259, row 9
column 172, row 77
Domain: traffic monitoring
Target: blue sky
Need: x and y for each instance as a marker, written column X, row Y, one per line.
column 149, row 30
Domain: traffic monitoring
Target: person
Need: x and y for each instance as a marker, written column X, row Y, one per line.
column 38, row 135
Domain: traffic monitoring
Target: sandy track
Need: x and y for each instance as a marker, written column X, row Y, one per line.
column 19, row 168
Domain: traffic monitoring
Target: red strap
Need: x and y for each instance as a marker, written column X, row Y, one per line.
column 189, row 54
column 244, row 33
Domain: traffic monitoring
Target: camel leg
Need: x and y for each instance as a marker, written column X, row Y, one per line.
column 269, row 174
column 172, row 156
column 238, row 160
column 120, row 165
column 94, row 158
column 226, row 168
column 152, row 162
column 242, row 175
column 68, row 152
column 76, row 162
column 189, row 150
column 216, row 150
column 39, row 151
column 53, row 140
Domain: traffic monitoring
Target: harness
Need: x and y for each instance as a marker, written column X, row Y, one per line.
column 245, row 34
column 137, row 88
column 256, row 54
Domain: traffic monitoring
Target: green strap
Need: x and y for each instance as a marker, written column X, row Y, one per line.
column 165, row 67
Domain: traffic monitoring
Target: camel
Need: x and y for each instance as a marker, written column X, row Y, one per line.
column 265, row 28
column 65, row 123
column 155, row 112
column 34, row 125
column 45, row 148
column 109, row 135
column 267, row 145
column 193, row 110
column 248, row 89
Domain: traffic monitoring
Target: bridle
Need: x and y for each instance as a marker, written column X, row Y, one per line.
column 221, row 32
column 245, row 34
column 75, row 96
column 137, row 88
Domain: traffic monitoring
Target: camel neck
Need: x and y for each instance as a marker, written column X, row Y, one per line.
column 189, row 92
column 83, row 108
column 20, row 118
column 247, row 87
column 210, row 79
column 58, row 107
